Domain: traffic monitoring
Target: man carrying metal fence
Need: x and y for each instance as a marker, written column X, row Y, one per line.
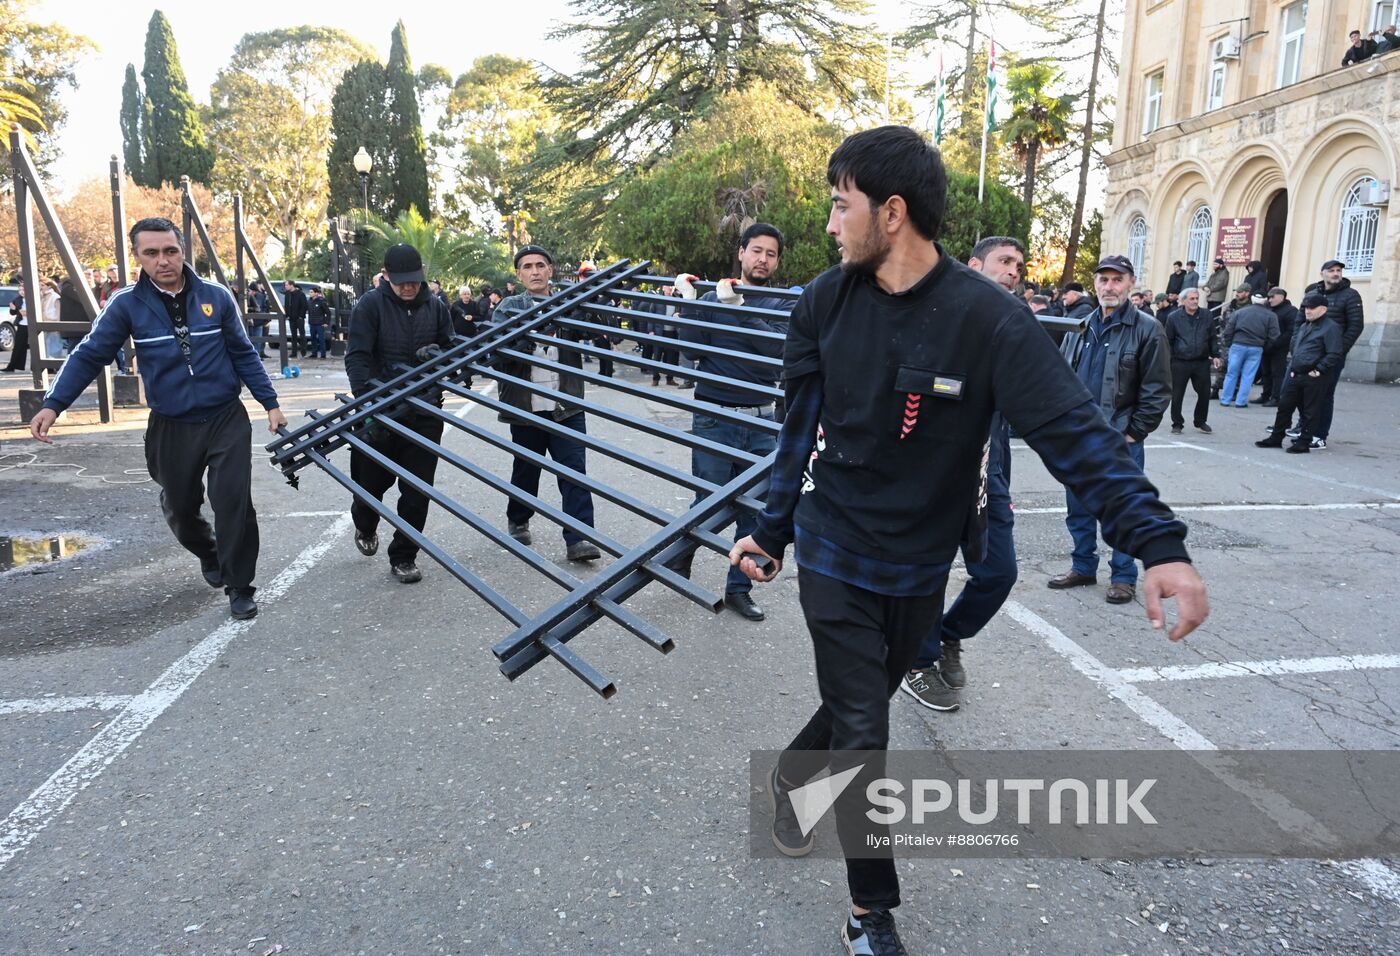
column 195, row 358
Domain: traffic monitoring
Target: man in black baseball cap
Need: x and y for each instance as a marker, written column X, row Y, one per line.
column 1317, row 350
column 1123, row 359
column 403, row 264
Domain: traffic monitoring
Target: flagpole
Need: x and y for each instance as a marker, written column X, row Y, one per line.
column 987, row 119
column 938, row 105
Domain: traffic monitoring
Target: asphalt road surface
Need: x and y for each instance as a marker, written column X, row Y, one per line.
column 349, row 772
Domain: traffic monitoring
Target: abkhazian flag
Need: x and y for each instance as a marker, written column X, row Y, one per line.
column 938, row 107
column 992, row 87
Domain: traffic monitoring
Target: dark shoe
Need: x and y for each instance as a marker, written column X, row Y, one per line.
column 741, row 603
column 1273, row 441
column 930, row 689
column 950, row 665
column 671, row 381
column 241, row 605
column 1269, row 403
column 584, row 551
column 209, row 567
column 1176, row 429
column 367, row 543
column 872, row 935
column 406, row 572
column 655, row 381
column 1071, row 579
column 1119, row 593
column 787, row 834
column 1298, row 448
column 1203, row 427
column 520, row 532
column 681, row 564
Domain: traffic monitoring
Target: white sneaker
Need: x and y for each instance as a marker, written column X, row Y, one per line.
column 1319, row 443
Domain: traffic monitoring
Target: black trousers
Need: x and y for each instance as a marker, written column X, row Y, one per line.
column 20, row 353
column 1307, row 396
column 298, row 341
column 864, row 644
column 371, row 476
column 178, row 454
column 1196, row 373
column 1273, row 370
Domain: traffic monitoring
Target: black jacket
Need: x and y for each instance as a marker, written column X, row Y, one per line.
column 385, row 331
column 1253, row 325
column 1174, row 282
column 1137, row 380
column 1359, row 54
column 296, row 304
column 1316, row 346
column 1344, row 308
column 70, row 306
column 1287, row 314
column 319, row 309
column 464, row 316
column 1257, row 277
column 1192, row 338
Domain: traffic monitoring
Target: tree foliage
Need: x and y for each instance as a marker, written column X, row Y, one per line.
column 133, row 126
column 1002, row 213
column 37, row 62
column 270, row 125
column 451, row 256
column 358, row 106
column 409, row 167
column 1040, row 119
column 175, row 138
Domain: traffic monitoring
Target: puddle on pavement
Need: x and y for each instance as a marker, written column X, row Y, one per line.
column 18, row 551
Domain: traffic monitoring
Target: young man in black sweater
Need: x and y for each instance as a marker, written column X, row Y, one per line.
column 894, row 366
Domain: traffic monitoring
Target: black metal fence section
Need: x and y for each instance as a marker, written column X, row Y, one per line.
column 654, row 518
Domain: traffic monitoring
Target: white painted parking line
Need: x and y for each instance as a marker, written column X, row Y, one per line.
column 58, row 705
column 1248, row 506
column 467, row 406
column 1296, row 665
column 1373, row 874
column 312, row 514
column 1259, row 461
column 52, row 796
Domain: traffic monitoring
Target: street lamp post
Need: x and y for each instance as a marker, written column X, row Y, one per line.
column 363, row 164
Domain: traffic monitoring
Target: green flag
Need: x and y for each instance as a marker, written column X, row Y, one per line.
column 938, row 107
column 992, row 88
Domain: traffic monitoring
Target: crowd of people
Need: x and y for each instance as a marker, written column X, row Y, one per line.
column 60, row 301
column 1375, row 43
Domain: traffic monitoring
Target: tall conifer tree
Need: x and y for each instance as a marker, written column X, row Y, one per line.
column 133, row 130
column 176, row 136
column 410, row 168
column 358, row 110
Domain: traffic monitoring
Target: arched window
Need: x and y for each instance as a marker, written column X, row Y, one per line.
column 1360, row 226
column 1137, row 243
column 1199, row 235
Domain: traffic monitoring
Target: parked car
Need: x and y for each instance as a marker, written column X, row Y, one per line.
column 8, row 294
column 342, row 301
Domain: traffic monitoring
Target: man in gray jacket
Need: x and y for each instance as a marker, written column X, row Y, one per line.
column 1216, row 284
column 1122, row 357
column 1249, row 332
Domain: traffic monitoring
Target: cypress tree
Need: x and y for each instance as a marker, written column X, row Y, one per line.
column 176, row 138
column 133, row 133
column 358, row 109
column 410, row 166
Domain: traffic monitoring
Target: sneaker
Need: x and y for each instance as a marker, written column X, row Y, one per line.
column 406, row 572
column 367, row 544
column 872, row 935
column 1176, row 429
column 930, row 689
column 1298, row 448
column 583, row 551
column 787, row 835
column 1293, row 432
column 1203, row 427
column 241, row 605
column 1273, row 441
column 950, row 666
column 520, row 532
column 1319, row 444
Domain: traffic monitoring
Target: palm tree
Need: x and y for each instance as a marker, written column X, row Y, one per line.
column 1038, row 120
column 17, row 107
column 448, row 255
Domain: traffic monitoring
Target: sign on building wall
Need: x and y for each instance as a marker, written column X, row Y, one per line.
column 1235, row 241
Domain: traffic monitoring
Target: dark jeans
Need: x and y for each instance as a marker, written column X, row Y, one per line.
column 577, row 501
column 375, row 479
column 721, row 471
column 178, row 454
column 1305, row 395
column 1324, row 412
column 864, row 644
column 298, row 340
column 1085, row 531
column 671, row 356
column 1275, row 368
column 989, row 581
column 19, row 356
column 1196, row 373
column 318, row 341
column 260, row 338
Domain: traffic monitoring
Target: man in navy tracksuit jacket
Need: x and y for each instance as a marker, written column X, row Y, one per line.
column 195, row 358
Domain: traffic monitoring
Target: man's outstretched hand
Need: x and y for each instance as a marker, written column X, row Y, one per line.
column 747, row 545
column 40, row 424
column 1179, row 580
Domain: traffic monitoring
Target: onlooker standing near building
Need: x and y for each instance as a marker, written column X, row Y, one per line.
column 1191, row 279
column 195, row 359
column 296, row 306
column 1216, row 285
column 1344, row 307
column 396, row 322
column 1361, row 49
column 71, row 309
column 1123, row 359
column 318, row 312
column 1256, row 277
column 1177, row 280
column 1076, row 303
column 1317, row 349
column 1249, row 332
column 1193, row 343
column 1276, row 358
column 110, row 284
column 435, row 288
column 760, row 254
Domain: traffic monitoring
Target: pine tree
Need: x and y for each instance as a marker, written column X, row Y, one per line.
column 410, row 165
column 358, row 110
column 176, row 138
column 133, row 131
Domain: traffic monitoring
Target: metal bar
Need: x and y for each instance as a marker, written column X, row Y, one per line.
column 447, row 363
column 240, row 239
column 776, row 291
column 192, row 215
column 754, row 358
column 239, row 273
column 597, row 585
column 706, row 305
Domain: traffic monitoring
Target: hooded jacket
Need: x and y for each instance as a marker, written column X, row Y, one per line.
column 1287, row 314
column 1257, row 277
column 1343, row 307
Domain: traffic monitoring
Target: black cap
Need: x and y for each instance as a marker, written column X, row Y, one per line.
column 1219, row 261
column 1116, row 264
column 403, row 264
column 1073, row 287
column 1333, row 262
column 1277, row 291
column 532, row 250
column 1314, row 299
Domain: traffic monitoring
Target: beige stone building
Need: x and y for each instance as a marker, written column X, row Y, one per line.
column 1240, row 132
